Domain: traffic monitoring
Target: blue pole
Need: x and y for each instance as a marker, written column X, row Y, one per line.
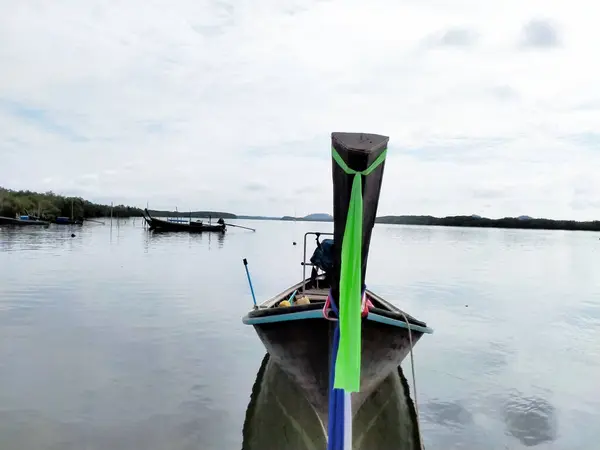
column 250, row 282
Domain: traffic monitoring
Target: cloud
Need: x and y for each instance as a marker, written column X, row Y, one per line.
column 540, row 34
column 257, row 186
column 504, row 92
column 453, row 37
column 38, row 117
column 193, row 102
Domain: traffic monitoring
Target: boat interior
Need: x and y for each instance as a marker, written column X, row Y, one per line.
column 311, row 293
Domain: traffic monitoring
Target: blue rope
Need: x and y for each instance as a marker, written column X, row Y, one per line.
column 335, row 423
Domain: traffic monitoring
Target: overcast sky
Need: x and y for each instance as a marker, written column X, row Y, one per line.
column 492, row 108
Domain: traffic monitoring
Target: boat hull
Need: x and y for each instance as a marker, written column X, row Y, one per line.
column 22, row 222
column 159, row 225
column 67, row 221
column 190, row 227
column 302, row 348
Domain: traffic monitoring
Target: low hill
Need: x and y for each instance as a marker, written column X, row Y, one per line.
column 317, row 217
column 522, row 222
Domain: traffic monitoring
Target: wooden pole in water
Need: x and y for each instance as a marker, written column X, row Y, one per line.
column 111, row 213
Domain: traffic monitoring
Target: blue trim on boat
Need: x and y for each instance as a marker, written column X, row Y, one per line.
column 398, row 323
column 315, row 314
column 318, row 314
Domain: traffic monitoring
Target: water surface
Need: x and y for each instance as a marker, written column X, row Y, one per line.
column 118, row 338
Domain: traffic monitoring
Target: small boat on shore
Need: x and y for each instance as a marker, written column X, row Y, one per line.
column 67, row 221
column 64, row 220
column 329, row 326
column 23, row 221
column 190, row 226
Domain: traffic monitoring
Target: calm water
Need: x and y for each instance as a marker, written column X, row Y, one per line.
column 121, row 339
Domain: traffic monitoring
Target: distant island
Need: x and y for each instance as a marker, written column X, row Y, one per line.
column 523, row 222
column 51, row 205
column 318, row 217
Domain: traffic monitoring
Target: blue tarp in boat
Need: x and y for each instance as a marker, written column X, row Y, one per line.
column 323, row 256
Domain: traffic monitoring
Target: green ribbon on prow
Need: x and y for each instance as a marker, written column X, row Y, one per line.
column 347, row 364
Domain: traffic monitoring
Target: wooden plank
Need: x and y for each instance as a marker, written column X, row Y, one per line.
column 320, row 293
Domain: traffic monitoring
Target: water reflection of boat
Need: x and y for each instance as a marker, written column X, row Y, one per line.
column 299, row 327
column 279, row 416
column 207, row 239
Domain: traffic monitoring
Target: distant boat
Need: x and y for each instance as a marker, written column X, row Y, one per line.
column 59, row 220
column 23, row 221
column 68, row 221
column 190, row 226
column 298, row 326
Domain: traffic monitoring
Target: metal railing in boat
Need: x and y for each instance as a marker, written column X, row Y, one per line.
column 304, row 263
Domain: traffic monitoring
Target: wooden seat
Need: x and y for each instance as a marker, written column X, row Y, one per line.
column 316, row 294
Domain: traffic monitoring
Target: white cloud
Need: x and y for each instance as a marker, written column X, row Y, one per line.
column 229, row 105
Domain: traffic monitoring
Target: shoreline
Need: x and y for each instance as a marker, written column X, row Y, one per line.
column 53, row 205
column 467, row 222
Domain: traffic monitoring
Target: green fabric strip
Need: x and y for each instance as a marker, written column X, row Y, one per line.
column 338, row 159
column 347, row 367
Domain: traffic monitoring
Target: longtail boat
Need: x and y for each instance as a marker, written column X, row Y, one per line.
column 190, row 226
column 68, row 221
column 278, row 415
column 23, row 221
column 63, row 220
column 335, row 339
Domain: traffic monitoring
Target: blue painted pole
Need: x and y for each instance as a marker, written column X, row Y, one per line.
column 250, row 282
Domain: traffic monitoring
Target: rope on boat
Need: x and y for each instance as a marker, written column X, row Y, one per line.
column 414, row 380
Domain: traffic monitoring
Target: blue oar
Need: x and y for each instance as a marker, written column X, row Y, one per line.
column 250, row 282
column 291, row 299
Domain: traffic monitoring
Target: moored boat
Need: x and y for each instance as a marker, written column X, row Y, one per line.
column 301, row 328
column 63, row 220
column 190, row 226
column 68, row 221
column 22, row 221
